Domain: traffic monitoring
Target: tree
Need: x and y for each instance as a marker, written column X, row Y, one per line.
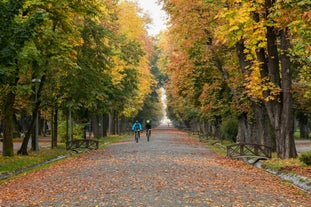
column 17, row 29
column 259, row 76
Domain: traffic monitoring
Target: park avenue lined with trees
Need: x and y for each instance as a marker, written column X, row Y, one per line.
column 234, row 70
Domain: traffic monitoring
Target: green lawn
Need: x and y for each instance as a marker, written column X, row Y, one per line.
column 19, row 162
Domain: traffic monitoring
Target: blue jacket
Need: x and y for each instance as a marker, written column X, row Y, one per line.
column 138, row 126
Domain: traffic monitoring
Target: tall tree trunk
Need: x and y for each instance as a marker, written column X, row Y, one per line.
column 258, row 130
column 244, row 131
column 54, row 126
column 105, row 124
column 287, row 117
column 303, row 125
column 206, row 128
column 24, row 146
column 272, row 72
column 97, row 125
column 262, row 128
column 280, row 111
column 115, row 122
column 8, row 113
column 216, row 127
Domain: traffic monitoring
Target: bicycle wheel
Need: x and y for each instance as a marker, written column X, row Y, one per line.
column 148, row 135
column 136, row 136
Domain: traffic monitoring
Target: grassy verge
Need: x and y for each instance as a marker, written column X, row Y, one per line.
column 19, row 162
column 275, row 163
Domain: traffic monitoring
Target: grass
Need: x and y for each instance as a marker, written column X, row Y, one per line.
column 19, row 162
column 275, row 163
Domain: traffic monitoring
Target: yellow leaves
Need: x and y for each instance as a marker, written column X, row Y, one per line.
column 239, row 23
column 130, row 22
column 259, row 88
column 116, row 71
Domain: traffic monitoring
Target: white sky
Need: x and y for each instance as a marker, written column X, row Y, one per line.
column 156, row 13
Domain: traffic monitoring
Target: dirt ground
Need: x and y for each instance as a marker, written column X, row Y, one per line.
column 172, row 169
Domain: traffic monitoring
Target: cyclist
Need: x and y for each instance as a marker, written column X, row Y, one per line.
column 148, row 129
column 148, row 125
column 137, row 126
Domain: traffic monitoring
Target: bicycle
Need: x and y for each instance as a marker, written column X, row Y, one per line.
column 136, row 135
column 148, row 134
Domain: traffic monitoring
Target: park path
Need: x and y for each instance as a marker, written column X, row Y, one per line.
column 172, row 169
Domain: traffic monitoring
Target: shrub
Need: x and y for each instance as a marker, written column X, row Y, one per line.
column 229, row 129
column 306, row 158
column 77, row 131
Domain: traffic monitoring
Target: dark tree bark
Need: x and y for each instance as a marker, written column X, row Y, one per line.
column 216, row 127
column 24, row 147
column 54, row 126
column 303, row 123
column 114, row 122
column 97, row 125
column 256, row 130
column 7, row 124
column 280, row 109
column 105, row 124
column 206, row 127
column 287, row 143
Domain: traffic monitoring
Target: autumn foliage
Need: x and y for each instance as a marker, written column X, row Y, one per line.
column 239, row 59
column 93, row 60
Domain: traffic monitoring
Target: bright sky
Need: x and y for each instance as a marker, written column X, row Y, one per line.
column 156, row 13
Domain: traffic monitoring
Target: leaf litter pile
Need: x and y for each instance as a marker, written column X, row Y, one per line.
column 170, row 170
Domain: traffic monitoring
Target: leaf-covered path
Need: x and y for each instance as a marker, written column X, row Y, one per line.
column 170, row 170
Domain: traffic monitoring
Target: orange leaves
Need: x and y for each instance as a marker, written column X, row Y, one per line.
column 173, row 170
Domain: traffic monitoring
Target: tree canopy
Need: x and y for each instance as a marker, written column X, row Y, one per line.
column 242, row 59
column 89, row 57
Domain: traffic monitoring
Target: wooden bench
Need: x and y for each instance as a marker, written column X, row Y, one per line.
column 196, row 132
column 245, row 150
column 82, row 143
column 186, row 129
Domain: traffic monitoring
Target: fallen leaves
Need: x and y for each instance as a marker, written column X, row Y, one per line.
column 169, row 171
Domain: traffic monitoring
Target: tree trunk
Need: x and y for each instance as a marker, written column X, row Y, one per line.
column 105, row 124
column 216, row 127
column 8, row 113
column 54, row 127
column 287, row 117
column 206, row 128
column 244, row 131
column 258, row 130
column 23, row 149
column 97, row 125
column 303, row 125
column 263, row 130
column 280, row 111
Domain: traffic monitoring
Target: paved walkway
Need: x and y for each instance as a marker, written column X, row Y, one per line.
column 170, row 170
column 301, row 145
